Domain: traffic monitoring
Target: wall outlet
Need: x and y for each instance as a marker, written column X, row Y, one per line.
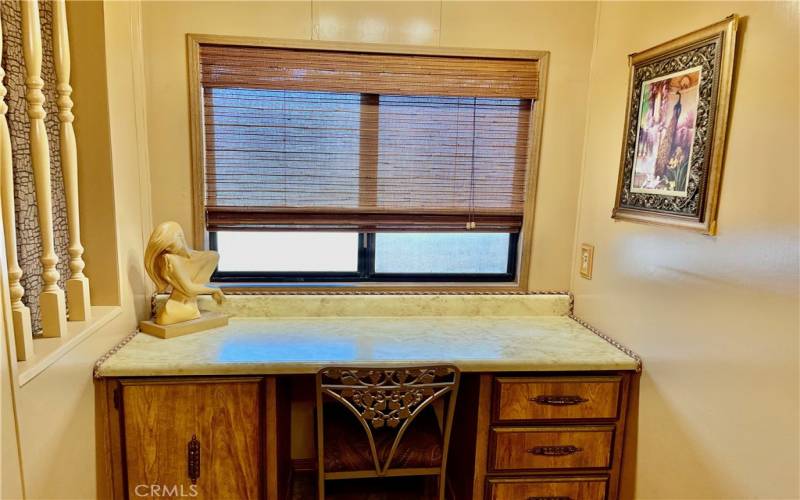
column 587, row 260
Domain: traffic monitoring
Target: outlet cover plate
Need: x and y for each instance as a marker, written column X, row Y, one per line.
column 586, row 260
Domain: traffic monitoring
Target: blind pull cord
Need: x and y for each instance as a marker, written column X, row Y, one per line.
column 471, row 217
column 285, row 117
column 469, row 224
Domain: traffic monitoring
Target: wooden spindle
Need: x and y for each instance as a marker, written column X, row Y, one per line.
column 78, row 283
column 51, row 301
column 20, row 314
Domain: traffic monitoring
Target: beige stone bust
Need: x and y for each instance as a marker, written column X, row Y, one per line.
column 175, row 267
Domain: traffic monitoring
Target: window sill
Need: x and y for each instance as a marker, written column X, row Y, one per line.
column 371, row 287
column 49, row 350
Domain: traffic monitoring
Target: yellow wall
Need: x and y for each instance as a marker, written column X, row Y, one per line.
column 715, row 318
column 565, row 29
column 55, row 410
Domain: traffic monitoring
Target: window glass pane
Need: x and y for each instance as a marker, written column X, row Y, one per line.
column 287, row 251
column 464, row 253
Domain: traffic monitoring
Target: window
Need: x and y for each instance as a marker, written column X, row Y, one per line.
column 334, row 165
column 310, row 256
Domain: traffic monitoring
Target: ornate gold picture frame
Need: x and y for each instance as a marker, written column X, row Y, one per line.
column 675, row 129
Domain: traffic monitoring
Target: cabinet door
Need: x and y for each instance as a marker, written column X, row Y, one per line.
column 209, row 430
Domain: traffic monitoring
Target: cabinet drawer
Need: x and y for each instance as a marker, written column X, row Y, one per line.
column 578, row 488
column 545, row 398
column 524, row 448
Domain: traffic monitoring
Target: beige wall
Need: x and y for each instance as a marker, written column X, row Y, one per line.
column 55, row 410
column 11, row 485
column 565, row 29
column 92, row 128
column 715, row 318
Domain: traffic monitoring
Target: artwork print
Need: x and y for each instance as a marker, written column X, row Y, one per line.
column 667, row 119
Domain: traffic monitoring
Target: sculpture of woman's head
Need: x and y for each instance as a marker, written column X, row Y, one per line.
column 167, row 238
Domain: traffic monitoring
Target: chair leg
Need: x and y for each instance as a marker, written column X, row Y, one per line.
column 321, row 487
column 442, row 486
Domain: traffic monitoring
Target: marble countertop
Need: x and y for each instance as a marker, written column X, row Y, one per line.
column 388, row 304
column 303, row 345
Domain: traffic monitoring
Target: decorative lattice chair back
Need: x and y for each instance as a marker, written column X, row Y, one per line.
column 388, row 399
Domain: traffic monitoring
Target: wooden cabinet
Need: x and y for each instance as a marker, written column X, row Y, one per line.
column 200, row 438
column 195, row 437
column 514, row 437
column 540, row 436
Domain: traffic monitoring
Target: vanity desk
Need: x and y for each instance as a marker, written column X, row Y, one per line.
column 541, row 411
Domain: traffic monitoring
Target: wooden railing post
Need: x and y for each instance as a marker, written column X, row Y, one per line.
column 51, row 300
column 20, row 314
column 78, row 283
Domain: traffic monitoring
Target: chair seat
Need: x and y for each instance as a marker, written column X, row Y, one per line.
column 347, row 445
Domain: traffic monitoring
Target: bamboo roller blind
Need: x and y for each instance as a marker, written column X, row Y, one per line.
column 358, row 141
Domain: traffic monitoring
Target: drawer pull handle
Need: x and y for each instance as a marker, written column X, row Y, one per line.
column 555, row 451
column 558, row 400
column 193, row 459
column 549, row 498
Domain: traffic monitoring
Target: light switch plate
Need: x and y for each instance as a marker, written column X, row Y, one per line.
column 587, row 260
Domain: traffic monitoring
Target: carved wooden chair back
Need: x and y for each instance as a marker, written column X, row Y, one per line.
column 387, row 398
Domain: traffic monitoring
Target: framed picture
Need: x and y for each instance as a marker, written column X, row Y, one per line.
column 675, row 124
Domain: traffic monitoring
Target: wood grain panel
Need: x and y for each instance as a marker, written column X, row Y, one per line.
column 469, row 442
column 563, row 488
column 545, row 398
column 278, row 437
column 482, row 440
column 160, row 420
column 625, row 427
column 521, row 448
column 228, row 418
column 110, row 473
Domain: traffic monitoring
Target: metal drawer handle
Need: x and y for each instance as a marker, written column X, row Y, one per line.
column 558, row 400
column 554, row 451
column 193, row 459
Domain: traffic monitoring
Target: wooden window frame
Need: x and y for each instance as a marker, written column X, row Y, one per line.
column 197, row 136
